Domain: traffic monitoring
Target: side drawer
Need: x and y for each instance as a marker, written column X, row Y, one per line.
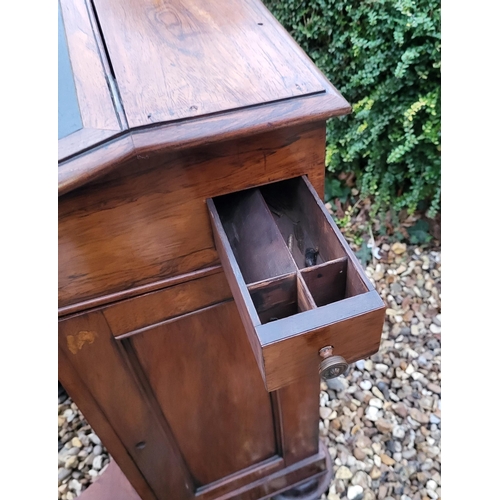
column 297, row 284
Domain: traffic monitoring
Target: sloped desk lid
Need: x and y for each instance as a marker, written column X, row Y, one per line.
column 158, row 75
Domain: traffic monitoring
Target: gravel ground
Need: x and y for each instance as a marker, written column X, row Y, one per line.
column 381, row 423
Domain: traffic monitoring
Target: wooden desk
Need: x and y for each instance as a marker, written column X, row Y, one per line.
column 177, row 361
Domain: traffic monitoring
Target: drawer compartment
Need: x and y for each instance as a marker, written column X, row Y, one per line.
column 297, row 284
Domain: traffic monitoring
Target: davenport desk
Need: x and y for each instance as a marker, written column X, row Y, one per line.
column 201, row 281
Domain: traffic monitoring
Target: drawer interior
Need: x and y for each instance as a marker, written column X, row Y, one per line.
column 290, row 258
column 296, row 283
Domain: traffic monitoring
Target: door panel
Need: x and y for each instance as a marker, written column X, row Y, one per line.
column 92, row 352
column 204, row 376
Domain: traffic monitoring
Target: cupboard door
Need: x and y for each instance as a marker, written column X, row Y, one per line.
column 97, row 373
column 202, row 373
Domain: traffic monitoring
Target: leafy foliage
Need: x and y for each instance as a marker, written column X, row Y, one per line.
column 419, row 233
column 384, row 57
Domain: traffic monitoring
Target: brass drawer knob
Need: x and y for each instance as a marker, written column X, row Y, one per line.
column 331, row 366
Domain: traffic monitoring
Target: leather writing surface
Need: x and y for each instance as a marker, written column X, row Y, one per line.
column 69, row 119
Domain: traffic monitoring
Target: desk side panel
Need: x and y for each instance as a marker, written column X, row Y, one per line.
column 150, row 221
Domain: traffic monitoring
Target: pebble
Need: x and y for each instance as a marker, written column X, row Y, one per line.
column 400, row 409
column 76, row 442
column 376, row 392
column 63, row 473
column 71, row 462
column 409, row 454
column 369, row 495
column 324, row 412
column 75, row 485
column 343, row 473
column 431, row 485
column 434, row 388
column 366, row 385
column 377, row 403
column 384, row 426
column 93, row 437
column 362, row 479
column 433, row 419
column 419, row 416
column 387, row 460
column 381, row 367
column 398, row 248
column 355, row 492
column 398, row 432
column 338, row 384
column 372, row 413
column 97, row 462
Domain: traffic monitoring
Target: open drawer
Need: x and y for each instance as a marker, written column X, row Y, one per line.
column 297, row 284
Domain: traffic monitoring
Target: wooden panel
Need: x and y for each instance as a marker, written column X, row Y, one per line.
column 240, row 480
column 241, row 294
column 87, row 343
column 191, row 58
column 166, row 138
column 84, row 168
column 210, row 390
column 132, row 314
column 91, row 76
column 149, row 223
column 255, row 240
column 290, row 346
column 275, row 297
column 296, row 413
column 80, row 394
column 326, row 281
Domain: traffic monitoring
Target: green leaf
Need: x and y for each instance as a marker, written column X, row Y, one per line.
column 364, row 254
column 419, row 232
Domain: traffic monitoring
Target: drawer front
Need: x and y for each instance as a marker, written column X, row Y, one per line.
column 297, row 284
column 141, row 313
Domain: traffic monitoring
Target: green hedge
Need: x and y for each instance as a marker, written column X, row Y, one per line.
column 384, row 57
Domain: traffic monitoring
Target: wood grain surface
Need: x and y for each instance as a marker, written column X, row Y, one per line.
column 242, row 75
column 255, row 240
column 326, row 282
column 290, row 347
column 150, row 222
column 178, row 136
column 296, row 416
column 209, row 388
column 191, row 58
column 137, row 313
